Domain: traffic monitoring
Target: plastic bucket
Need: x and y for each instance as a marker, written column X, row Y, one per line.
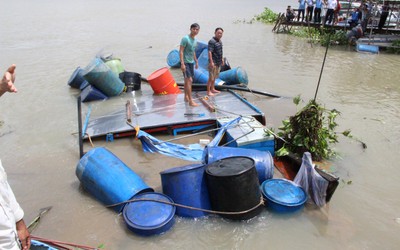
column 108, row 179
column 234, row 76
column 173, row 59
column 233, row 187
column 132, row 80
column 163, row 83
column 263, row 160
column 76, row 79
column 226, row 65
column 148, row 218
column 100, row 75
column 90, row 93
column 115, row 65
column 200, row 46
column 187, row 186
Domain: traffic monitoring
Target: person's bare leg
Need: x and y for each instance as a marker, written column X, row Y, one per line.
column 213, row 90
column 189, row 93
column 185, row 89
column 209, row 86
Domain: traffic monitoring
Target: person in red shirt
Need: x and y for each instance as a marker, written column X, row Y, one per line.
column 336, row 13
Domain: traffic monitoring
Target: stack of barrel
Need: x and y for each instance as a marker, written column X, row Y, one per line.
column 230, row 182
column 228, row 75
column 103, row 77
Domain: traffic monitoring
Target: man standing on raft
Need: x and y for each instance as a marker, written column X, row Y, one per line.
column 188, row 60
column 215, row 60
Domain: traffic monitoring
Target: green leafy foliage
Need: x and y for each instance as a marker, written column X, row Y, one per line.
column 323, row 36
column 312, row 129
column 395, row 49
column 267, row 16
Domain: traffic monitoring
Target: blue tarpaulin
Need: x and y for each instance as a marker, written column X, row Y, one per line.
column 191, row 152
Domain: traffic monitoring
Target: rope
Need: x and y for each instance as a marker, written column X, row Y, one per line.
column 58, row 243
column 192, row 208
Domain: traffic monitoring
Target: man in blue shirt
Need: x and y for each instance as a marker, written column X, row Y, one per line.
column 302, row 9
column 188, row 60
column 317, row 11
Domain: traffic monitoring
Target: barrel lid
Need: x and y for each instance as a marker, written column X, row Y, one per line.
column 283, row 192
column 181, row 169
column 230, row 166
column 148, row 215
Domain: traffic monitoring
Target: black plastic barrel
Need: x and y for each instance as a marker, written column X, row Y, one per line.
column 132, row 80
column 233, row 186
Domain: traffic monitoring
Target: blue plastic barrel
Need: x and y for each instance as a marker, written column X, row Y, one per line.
column 187, row 186
column 201, row 76
column 147, row 216
column 102, row 77
column 201, row 45
column 91, row 93
column 38, row 245
column 76, row 79
column 203, row 60
column 173, row 59
column 263, row 160
column 84, row 85
column 108, row 179
column 283, row 196
column 367, row 48
column 234, row 76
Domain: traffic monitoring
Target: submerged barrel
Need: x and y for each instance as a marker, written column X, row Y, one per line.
column 151, row 214
column 108, row 179
column 233, row 187
column 263, row 160
column 115, row 65
column 163, row 83
column 186, row 185
column 76, row 79
column 132, row 80
column 367, row 48
column 102, row 77
column 91, row 93
column 173, row 59
column 234, row 76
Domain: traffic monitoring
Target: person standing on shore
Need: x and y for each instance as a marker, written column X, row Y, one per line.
column 317, row 11
column 14, row 234
column 337, row 12
column 310, row 9
column 384, row 15
column 331, row 5
column 301, row 10
column 215, row 58
column 189, row 61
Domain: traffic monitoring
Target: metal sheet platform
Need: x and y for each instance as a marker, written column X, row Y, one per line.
column 166, row 113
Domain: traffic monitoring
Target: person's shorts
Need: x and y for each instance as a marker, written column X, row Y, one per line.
column 189, row 72
column 213, row 72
